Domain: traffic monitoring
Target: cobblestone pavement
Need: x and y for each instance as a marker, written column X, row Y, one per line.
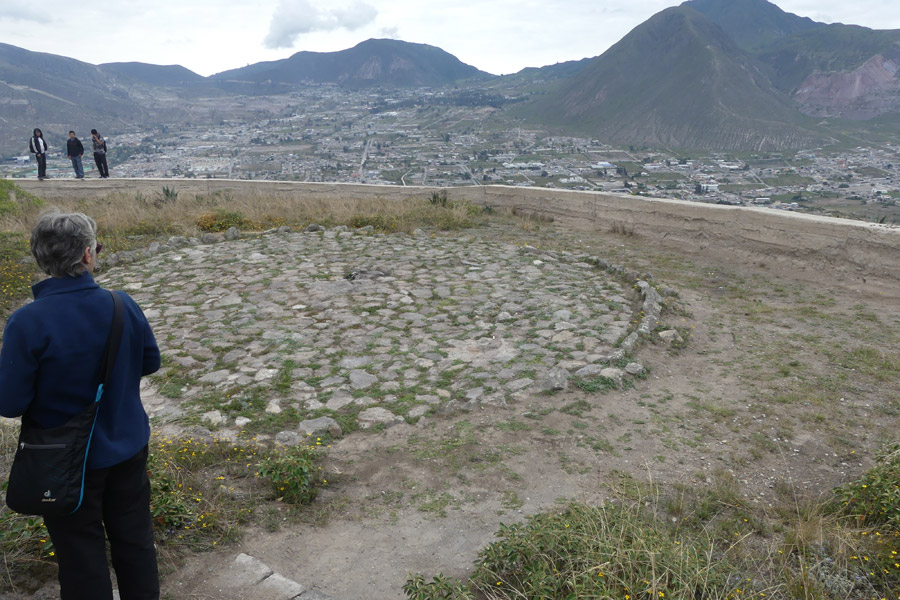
column 366, row 329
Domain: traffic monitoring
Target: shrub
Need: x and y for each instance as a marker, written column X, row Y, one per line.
column 202, row 489
column 874, row 499
column 222, row 221
column 439, row 588
column 292, row 474
column 439, row 198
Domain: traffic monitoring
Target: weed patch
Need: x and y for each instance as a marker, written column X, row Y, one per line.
column 582, row 552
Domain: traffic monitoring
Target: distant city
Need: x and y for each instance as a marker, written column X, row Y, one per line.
column 329, row 134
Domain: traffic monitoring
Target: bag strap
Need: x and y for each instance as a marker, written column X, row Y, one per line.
column 112, row 342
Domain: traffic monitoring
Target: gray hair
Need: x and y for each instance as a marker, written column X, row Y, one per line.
column 58, row 241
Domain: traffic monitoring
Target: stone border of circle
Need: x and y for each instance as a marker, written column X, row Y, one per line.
column 651, row 308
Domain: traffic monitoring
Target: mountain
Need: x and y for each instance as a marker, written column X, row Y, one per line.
column 839, row 70
column 550, row 72
column 164, row 75
column 370, row 63
column 58, row 94
column 832, row 70
column 752, row 23
column 677, row 80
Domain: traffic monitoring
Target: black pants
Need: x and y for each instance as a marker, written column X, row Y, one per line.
column 42, row 164
column 100, row 161
column 116, row 499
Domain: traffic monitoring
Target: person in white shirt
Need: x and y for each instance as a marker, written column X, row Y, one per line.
column 38, row 147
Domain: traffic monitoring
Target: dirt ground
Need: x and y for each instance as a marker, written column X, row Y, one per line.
column 787, row 381
column 765, row 395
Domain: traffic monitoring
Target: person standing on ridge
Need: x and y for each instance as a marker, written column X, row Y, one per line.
column 38, row 147
column 75, row 150
column 100, row 154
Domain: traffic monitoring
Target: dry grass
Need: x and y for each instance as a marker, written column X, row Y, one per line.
column 176, row 213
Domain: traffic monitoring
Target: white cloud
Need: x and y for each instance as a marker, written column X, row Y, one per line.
column 28, row 12
column 293, row 18
column 391, row 33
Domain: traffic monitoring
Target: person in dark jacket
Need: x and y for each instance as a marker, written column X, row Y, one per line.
column 38, row 147
column 75, row 150
column 100, row 154
column 50, row 365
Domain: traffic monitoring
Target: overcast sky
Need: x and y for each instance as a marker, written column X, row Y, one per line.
column 498, row 36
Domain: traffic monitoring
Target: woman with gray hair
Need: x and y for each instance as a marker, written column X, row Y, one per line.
column 49, row 370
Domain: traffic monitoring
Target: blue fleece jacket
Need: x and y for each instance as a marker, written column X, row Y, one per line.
column 51, row 358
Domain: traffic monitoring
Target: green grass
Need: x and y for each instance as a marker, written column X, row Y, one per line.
column 202, row 492
column 687, row 542
column 16, row 276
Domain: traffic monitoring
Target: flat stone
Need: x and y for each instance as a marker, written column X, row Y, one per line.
column 246, row 571
column 519, row 384
column 418, row 411
column 475, row 393
column 670, row 336
column 277, row 587
column 617, row 375
column 211, row 238
column 338, row 401
column 234, row 355
column 589, row 370
column 378, row 416
column 555, row 381
column 229, row 300
column 215, row 376
column 634, row 368
column 360, row 380
column 355, row 362
column 265, row 375
column 562, row 337
column 214, row 418
column 570, row 365
column 288, row 438
column 313, row 595
column 319, row 426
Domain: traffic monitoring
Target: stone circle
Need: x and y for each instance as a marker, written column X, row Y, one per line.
column 379, row 328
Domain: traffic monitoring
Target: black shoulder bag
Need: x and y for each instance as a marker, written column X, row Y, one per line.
column 47, row 475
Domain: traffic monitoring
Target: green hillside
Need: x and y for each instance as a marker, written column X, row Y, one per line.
column 677, row 80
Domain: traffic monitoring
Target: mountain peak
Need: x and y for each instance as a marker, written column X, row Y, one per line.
column 752, row 23
column 676, row 80
column 371, row 62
